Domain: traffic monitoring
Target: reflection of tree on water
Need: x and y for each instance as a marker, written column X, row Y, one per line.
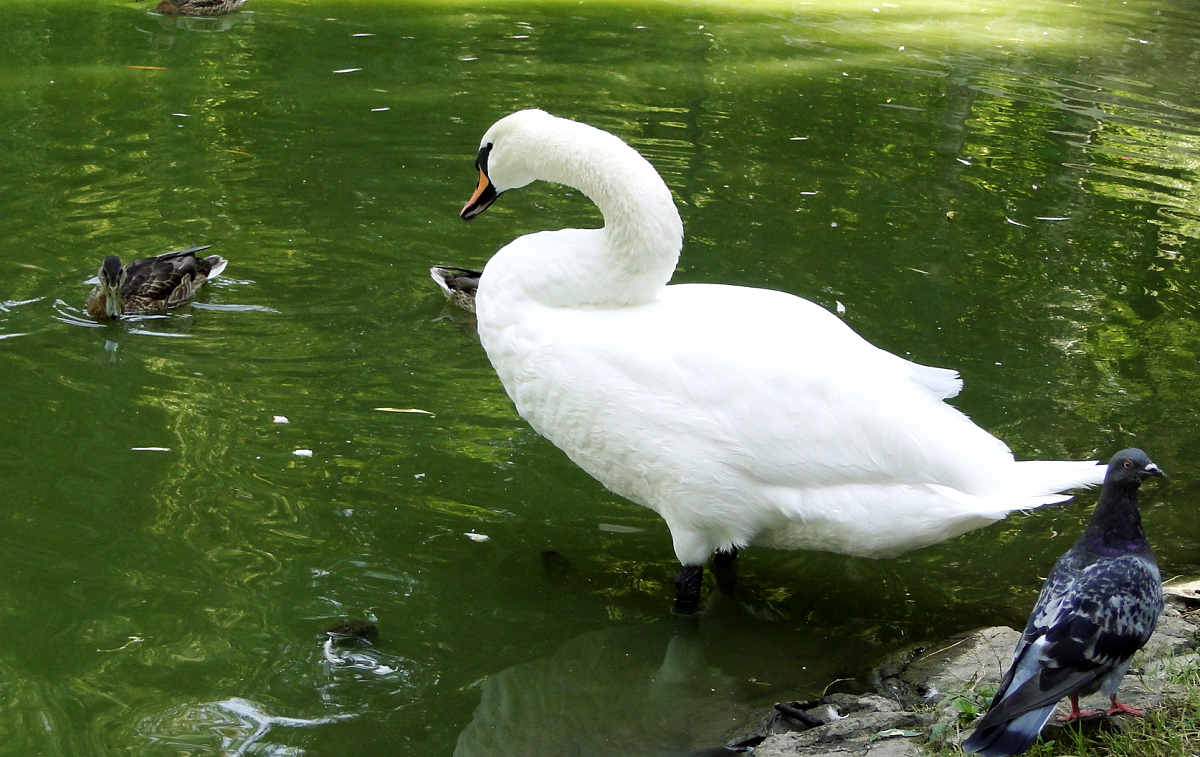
column 643, row 690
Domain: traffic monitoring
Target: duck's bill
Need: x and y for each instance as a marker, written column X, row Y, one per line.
column 485, row 195
column 112, row 304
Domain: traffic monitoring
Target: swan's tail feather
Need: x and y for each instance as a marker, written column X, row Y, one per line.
column 1031, row 485
column 942, row 383
column 1037, row 478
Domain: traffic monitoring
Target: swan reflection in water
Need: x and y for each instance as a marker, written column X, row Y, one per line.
column 648, row 690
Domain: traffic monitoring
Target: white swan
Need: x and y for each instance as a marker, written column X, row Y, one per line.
column 739, row 415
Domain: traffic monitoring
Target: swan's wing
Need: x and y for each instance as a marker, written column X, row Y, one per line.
column 761, row 384
column 779, row 314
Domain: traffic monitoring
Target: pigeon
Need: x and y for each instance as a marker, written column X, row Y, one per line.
column 1098, row 607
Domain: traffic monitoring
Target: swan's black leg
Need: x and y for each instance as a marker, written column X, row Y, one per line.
column 687, row 588
column 725, row 569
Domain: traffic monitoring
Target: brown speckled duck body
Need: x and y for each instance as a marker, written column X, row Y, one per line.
column 458, row 284
column 150, row 284
column 198, row 7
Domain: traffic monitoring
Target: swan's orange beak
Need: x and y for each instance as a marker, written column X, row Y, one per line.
column 485, row 195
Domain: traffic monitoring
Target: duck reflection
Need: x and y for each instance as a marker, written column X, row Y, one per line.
column 649, row 690
column 164, row 36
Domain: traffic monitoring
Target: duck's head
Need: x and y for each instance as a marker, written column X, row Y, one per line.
column 1131, row 467
column 112, row 277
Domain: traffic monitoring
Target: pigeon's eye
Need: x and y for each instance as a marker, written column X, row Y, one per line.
column 1127, row 464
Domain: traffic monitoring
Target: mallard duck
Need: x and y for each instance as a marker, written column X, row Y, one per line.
column 157, row 283
column 1098, row 606
column 739, row 415
column 198, row 7
column 458, row 284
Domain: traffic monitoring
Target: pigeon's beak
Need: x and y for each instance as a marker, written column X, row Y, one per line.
column 1154, row 470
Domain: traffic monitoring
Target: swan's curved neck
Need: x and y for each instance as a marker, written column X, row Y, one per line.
column 641, row 223
column 633, row 257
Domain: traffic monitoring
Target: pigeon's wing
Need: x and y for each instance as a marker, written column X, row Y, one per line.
column 1050, row 604
column 999, row 733
column 1093, row 625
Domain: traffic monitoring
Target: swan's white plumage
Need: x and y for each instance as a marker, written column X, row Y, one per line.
column 739, row 415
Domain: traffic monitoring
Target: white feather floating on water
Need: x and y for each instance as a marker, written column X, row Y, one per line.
column 404, row 410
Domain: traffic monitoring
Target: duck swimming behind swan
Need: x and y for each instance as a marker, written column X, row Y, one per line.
column 458, row 284
column 739, row 415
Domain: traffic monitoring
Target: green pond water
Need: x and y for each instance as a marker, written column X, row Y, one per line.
column 1008, row 189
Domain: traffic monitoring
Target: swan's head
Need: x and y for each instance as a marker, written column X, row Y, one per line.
column 632, row 256
column 532, row 145
column 504, row 159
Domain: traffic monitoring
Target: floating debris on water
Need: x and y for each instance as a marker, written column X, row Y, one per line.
column 613, row 528
column 404, row 410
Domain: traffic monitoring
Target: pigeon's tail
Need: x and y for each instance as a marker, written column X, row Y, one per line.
column 1041, row 478
column 1008, row 737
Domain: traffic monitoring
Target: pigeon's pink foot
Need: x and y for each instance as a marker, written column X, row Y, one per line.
column 1077, row 713
column 1118, row 707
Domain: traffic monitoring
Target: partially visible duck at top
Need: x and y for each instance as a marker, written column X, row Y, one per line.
column 151, row 284
column 198, row 7
column 458, row 284
column 739, row 415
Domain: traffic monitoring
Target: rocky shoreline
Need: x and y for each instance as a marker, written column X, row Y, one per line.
column 922, row 691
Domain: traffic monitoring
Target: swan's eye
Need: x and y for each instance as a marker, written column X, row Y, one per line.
column 481, row 160
column 1128, row 465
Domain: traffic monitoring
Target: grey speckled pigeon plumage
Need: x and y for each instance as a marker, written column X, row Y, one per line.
column 1098, row 607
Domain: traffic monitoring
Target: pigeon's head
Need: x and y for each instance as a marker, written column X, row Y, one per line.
column 1131, row 467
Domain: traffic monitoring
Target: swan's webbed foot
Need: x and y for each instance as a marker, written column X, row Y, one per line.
column 724, row 569
column 687, row 588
